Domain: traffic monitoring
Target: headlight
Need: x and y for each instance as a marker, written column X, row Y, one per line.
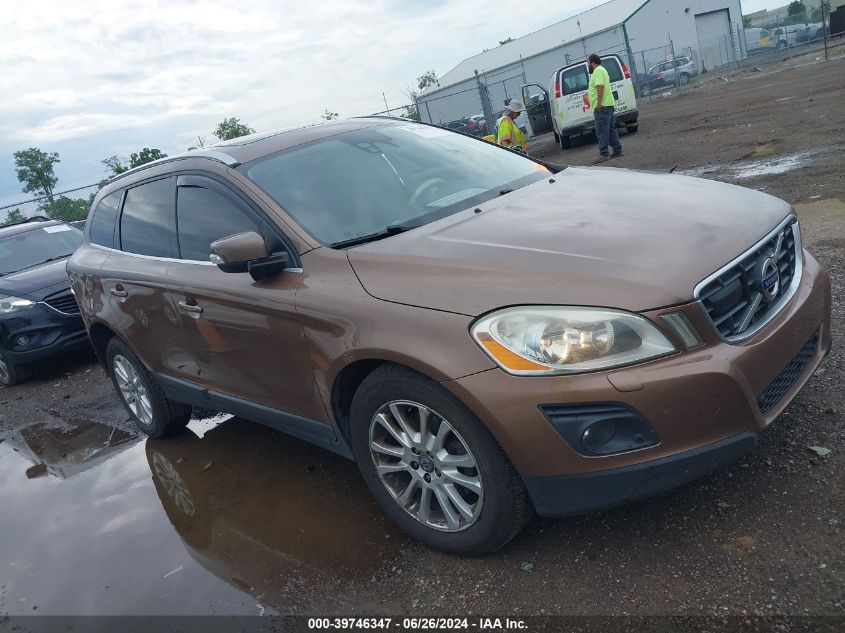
column 14, row 304
column 535, row 341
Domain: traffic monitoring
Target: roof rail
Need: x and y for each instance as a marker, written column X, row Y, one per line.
column 211, row 154
column 34, row 218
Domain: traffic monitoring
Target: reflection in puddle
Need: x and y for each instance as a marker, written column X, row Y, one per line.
column 67, row 451
column 277, row 522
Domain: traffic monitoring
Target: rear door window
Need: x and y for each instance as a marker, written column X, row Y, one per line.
column 205, row 214
column 614, row 70
column 146, row 224
column 574, row 79
column 103, row 220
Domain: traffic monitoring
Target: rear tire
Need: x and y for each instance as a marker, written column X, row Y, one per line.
column 557, row 137
column 684, row 79
column 632, row 129
column 12, row 373
column 143, row 397
column 565, row 141
column 410, row 461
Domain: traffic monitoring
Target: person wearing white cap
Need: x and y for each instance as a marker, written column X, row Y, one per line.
column 508, row 133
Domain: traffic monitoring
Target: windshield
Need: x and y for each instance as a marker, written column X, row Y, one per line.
column 46, row 243
column 358, row 183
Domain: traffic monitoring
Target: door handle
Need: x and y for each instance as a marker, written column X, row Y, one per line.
column 193, row 308
column 118, row 291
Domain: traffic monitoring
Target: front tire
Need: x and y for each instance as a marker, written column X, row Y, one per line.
column 632, row 129
column 432, row 466
column 149, row 408
column 12, row 373
column 565, row 141
column 684, row 79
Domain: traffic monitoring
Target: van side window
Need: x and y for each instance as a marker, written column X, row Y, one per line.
column 575, row 79
column 146, row 222
column 204, row 216
column 614, row 70
column 103, row 219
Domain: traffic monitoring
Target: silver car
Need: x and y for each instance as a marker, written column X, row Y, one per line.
column 686, row 67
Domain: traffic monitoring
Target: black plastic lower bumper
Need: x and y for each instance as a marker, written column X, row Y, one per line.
column 46, row 333
column 576, row 494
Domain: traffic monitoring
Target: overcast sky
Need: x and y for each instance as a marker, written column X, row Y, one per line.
column 102, row 77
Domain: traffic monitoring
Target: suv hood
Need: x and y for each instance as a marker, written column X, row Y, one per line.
column 36, row 282
column 595, row 237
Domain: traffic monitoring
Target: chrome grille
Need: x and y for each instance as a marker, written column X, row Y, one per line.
column 740, row 298
column 63, row 302
column 777, row 389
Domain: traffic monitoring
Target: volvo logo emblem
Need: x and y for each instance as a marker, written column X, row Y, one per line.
column 769, row 279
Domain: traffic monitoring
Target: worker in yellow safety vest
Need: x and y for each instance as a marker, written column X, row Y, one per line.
column 508, row 133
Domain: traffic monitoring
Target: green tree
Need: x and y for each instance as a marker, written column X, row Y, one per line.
column 115, row 165
column 328, row 115
column 796, row 7
column 146, row 155
column 67, row 209
column 817, row 13
column 746, row 21
column 411, row 113
column 231, row 128
column 35, row 171
column 428, row 78
column 14, row 216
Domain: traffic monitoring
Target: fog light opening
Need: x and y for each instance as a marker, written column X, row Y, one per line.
column 597, row 435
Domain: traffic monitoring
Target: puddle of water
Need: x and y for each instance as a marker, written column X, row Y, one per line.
column 102, row 522
column 764, row 167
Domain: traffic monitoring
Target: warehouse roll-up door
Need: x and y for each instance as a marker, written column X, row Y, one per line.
column 715, row 45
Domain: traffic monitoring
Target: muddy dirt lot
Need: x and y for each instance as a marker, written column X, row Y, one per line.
column 236, row 518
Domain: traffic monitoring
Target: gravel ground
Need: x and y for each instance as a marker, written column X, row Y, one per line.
column 764, row 536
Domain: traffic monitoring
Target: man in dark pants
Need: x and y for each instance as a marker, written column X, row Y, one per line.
column 600, row 95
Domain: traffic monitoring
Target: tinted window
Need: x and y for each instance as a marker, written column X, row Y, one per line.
column 102, row 222
column 614, row 70
column 38, row 246
column 575, row 79
column 204, row 216
column 146, row 221
column 357, row 183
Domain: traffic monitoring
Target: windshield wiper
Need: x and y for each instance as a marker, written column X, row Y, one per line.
column 390, row 229
column 45, row 261
column 504, row 192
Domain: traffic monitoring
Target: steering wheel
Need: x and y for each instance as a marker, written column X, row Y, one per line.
column 426, row 184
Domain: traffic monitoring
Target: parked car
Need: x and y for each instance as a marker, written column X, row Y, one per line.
column 645, row 84
column 485, row 334
column 465, row 125
column 39, row 317
column 786, row 36
column 683, row 67
column 566, row 113
column 810, row 33
column 481, row 122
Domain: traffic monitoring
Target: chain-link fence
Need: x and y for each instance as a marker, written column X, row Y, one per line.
column 71, row 205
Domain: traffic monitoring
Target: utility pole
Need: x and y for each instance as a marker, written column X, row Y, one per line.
column 824, row 28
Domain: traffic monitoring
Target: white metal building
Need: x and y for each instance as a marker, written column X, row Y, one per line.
column 639, row 31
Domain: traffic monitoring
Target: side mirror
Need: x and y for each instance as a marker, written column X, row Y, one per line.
column 247, row 253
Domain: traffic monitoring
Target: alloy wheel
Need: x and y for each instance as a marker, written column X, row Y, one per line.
column 426, row 466
column 132, row 390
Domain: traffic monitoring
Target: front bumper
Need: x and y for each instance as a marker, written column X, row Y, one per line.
column 695, row 401
column 48, row 331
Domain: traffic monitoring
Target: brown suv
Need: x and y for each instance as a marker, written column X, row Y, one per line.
column 484, row 334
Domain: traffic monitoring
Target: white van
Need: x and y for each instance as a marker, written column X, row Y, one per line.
column 562, row 108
